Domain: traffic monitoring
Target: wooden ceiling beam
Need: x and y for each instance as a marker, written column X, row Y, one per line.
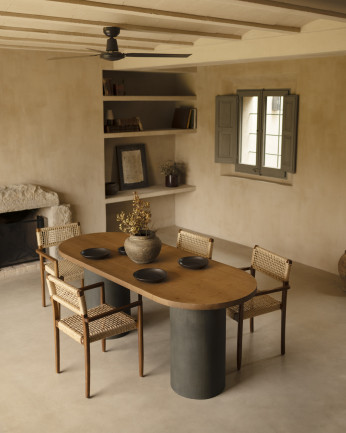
column 85, row 44
column 130, row 27
column 92, row 35
column 180, row 15
column 295, row 7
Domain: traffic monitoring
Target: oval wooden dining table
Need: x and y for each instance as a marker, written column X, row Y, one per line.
column 197, row 300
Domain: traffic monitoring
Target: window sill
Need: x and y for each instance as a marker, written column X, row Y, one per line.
column 229, row 170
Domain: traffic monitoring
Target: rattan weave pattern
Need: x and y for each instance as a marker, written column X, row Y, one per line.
column 53, row 236
column 256, row 306
column 271, row 264
column 66, row 295
column 195, row 243
column 67, row 269
column 109, row 326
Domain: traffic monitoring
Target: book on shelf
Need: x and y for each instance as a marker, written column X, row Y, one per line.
column 185, row 118
column 111, row 88
column 132, row 124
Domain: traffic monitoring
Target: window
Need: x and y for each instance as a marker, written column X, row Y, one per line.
column 256, row 130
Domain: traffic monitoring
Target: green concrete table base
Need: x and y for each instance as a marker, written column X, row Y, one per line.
column 198, row 352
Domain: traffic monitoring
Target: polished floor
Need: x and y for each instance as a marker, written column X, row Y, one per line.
column 303, row 391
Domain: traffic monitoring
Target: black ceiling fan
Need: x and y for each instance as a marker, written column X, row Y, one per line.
column 112, row 52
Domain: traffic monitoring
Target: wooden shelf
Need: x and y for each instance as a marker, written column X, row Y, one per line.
column 149, row 133
column 151, row 191
column 137, row 98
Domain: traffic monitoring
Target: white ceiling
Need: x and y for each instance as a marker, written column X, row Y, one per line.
column 214, row 31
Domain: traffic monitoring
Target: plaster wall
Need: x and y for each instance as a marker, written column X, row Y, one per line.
column 304, row 221
column 51, row 127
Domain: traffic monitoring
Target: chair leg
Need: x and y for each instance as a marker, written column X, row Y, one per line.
column 103, row 345
column 252, row 324
column 56, row 318
column 82, row 282
column 283, row 322
column 57, row 349
column 87, row 368
column 240, row 336
column 140, row 338
column 43, row 284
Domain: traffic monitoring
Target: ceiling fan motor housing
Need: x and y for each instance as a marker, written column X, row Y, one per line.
column 112, row 45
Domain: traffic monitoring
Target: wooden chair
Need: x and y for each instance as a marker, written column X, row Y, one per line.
column 276, row 267
column 194, row 243
column 89, row 325
column 50, row 237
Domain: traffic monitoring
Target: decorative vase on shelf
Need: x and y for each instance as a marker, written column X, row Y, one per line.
column 172, row 180
column 143, row 247
column 342, row 269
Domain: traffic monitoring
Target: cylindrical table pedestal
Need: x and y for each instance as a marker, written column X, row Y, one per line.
column 198, row 343
column 115, row 295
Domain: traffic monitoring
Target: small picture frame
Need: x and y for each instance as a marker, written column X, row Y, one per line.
column 132, row 166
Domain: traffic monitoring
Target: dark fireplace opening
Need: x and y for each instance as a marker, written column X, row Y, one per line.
column 18, row 237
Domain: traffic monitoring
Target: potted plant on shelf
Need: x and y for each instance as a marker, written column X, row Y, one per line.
column 142, row 246
column 172, row 170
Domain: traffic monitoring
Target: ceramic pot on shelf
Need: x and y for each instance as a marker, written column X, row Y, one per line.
column 172, row 180
column 143, row 248
column 342, row 269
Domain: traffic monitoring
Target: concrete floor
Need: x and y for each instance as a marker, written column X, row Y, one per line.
column 303, row 391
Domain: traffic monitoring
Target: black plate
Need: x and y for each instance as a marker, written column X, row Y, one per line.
column 193, row 262
column 122, row 251
column 95, row 253
column 150, row 275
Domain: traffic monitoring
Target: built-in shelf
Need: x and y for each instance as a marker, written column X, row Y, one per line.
column 151, row 191
column 134, row 98
column 149, row 133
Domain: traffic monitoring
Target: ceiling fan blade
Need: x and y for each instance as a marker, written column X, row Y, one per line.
column 72, row 57
column 157, row 55
column 96, row 51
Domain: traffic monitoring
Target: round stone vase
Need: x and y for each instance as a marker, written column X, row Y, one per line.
column 342, row 269
column 172, row 180
column 143, row 248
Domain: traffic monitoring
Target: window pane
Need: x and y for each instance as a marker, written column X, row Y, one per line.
column 273, row 128
column 249, row 130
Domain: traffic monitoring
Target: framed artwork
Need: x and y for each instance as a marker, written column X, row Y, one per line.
column 132, row 166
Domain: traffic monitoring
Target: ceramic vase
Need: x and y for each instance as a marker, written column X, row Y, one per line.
column 172, row 180
column 143, row 248
column 342, row 269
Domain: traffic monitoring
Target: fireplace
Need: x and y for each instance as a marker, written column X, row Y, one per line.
column 20, row 206
column 18, row 237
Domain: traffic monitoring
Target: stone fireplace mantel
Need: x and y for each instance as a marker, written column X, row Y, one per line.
column 22, row 197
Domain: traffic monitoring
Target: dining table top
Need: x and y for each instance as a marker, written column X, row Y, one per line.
column 214, row 287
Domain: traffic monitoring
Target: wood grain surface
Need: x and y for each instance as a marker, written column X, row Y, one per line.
column 214, row 287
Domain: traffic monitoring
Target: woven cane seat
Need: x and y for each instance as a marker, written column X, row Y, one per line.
column 256, row 306
column 68, row 270
column 109, row 326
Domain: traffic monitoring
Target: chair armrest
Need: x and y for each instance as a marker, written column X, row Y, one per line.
column 112, row 311
column 46, row 256
column 268, row 291
column 91, row 286
column 51, row 259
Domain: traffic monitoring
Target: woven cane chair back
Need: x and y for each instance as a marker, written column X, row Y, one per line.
column 271, row 264
column 53, row 236
column 195, row 243
column 67, row 295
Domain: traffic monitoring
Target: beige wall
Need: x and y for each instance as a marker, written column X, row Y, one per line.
column 305, row 221
column 51, row 134
column 51, row 129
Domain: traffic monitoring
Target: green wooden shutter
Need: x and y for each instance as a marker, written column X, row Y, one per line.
column 289, row 133
column 226, row 129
